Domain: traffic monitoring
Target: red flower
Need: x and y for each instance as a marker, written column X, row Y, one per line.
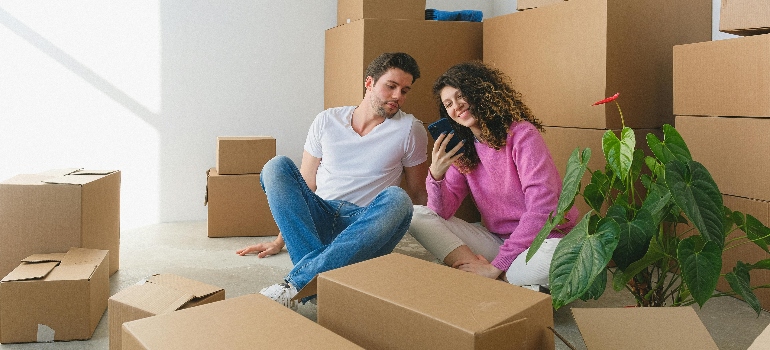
column 608, row 99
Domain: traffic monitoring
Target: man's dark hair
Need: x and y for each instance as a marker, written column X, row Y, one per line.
column 389, row 60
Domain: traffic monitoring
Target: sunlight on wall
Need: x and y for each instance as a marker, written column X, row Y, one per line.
column 80, row 87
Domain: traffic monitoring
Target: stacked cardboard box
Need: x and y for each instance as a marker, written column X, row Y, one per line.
column 565, row 56
column 55, row 297
column 237, row 205
column 522, row 5
column 352, row 45
column 745, row 17
column 156, row 295
column 400, row 302
column 722, row 108
column 51, row 212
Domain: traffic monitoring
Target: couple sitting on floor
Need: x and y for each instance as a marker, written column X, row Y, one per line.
column 343, row 205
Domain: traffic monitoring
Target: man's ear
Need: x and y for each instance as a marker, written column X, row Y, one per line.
column 369, row 82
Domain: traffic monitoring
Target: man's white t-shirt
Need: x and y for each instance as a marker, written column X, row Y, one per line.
column 356, row 168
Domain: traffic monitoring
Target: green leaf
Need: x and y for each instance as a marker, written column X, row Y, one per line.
column 696, row 193
column 657, row 203
column 580, row 257
column 762, row 264
column 673, row 148
column 593, row 196
column 576, row 167
column 634, row 238
column 619, row 153
column 654, row 253
column 597, row 288
column 701, row 263
column 754, row 229
column 740, row 282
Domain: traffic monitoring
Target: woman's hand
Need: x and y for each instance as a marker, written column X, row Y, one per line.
column 262, row 249
column 441, row 160
column 479, row 266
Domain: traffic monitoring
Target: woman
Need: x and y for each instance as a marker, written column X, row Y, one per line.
column 505, row 167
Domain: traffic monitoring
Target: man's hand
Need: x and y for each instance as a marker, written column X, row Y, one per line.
column 262, row 249
column 479, row 266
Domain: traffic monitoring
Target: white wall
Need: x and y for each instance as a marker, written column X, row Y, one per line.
column 146, row 86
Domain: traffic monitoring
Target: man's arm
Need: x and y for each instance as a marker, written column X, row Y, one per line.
column 309, row 169
column 415, row 183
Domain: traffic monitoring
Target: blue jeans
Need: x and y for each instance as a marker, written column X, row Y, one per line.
column 323, row 235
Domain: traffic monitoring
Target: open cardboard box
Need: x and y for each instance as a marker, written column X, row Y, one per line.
column 400, row 302
column 247, row 322
column 660, row 328
column 155, row 295
column 55, row 297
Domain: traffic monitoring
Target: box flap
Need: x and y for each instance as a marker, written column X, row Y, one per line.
column 630, row 328
column 84, row 256
column 196, row 288
column 310, row 288
column 78, row 272
column 28, row 271
column 93, row 172
column 153, row 298
column 44, row 257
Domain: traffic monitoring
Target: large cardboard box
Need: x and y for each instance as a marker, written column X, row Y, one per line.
column 762, row 342
column 52, row 297
column 749, row 252
column 352, row 10
column 661, row 328
column 564, row 57
column 728, row 77
column 530, row 4
column 156, row 295
column 351, row 47
column 53, row 211
column 237, row 206
column 744, row 17
column 244, row 154
column 247, row 322
column 401, row 302
column 734, row 150
column 562, row 142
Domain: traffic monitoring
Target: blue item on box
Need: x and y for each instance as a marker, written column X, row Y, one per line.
column 463, row 15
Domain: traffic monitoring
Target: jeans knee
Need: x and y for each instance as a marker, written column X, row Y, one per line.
column 275, row 168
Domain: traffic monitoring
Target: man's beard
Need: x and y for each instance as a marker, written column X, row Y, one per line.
column 379, row 109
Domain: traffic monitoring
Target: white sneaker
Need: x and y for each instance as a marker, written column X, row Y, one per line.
column 282, row 293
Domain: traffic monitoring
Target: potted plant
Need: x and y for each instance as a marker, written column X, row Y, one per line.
column 659, row 218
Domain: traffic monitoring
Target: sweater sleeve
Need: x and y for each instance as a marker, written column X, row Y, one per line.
column 540, row 184
column 445, row 196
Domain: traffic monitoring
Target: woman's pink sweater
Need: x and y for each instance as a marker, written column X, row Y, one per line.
column 514, row 188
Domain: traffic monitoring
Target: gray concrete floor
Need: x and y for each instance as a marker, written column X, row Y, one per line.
column 184, row 249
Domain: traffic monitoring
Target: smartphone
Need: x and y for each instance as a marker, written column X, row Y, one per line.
column 441, row 126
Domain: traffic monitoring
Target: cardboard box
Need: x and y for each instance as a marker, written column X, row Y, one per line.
column 246, row 322
column 744, row 17
column 749, row 252
column 243, row 155
column 156, row 295
column 762, row 342
column 352, row 10
column 53, row 211
column 400, row 302
column 564, row 57
column 728, row 77
column 53, row 297
column 350, row 48
column 733, row 151
column 522, row 5
column 237, row 206
column 562, row 142
column 641, row 328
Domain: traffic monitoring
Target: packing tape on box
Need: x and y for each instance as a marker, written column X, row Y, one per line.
column 45, row 334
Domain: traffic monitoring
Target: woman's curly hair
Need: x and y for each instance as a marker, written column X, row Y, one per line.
column 491, row 99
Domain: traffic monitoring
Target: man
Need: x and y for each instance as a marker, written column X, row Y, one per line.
column 343, row 205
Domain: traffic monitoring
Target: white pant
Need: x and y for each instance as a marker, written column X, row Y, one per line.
column 440, row 237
